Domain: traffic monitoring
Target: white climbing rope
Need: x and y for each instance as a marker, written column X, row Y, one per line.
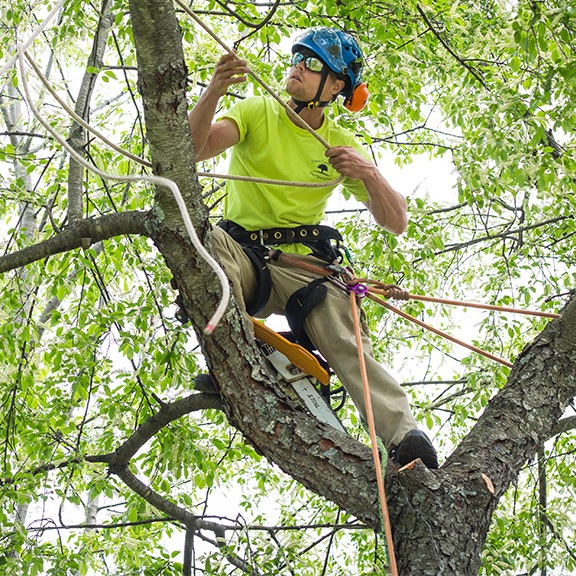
column 121, row 150
column 158, row 180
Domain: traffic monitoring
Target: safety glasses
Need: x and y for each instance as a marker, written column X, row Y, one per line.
column 310, row 62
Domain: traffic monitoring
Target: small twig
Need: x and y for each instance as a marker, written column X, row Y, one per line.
column 449, row 49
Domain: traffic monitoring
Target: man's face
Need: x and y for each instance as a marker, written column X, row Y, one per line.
column 305, row 76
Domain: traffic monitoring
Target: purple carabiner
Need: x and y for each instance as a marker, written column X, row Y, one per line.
column 359, row 289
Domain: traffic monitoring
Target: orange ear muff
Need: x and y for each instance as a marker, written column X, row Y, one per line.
column 359, row 97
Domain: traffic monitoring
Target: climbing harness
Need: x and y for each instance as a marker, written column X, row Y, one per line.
column 256, row 245
column 299, row 306
column 317, row 237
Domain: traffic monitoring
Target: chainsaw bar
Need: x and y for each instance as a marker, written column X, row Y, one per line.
column 302, row 382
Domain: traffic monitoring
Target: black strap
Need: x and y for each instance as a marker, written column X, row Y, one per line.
column 263, row 279
column 318, row 238
column 271, row 236
column 315, row 102
column 299, row 305
column 258, row 255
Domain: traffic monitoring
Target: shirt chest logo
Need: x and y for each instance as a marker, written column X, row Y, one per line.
column 321, row 169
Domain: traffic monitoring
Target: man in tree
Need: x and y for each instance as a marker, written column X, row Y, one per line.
column 268, row 144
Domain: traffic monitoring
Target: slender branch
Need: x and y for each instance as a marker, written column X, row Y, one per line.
column 95, row 526
column 168, row 413
column 448, row 209
column 449, row 49
column 505, row 234
column 542, row 508
column 188, row 551
column 43, row 468
column 260, row 25
column 77, row 136
column 246, row 22
column 152, row 497
column 564, row 425
column 23, row 133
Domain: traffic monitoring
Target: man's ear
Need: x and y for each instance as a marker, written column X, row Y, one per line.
column 337, row 88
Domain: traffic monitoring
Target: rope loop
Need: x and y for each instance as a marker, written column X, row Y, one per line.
column 391, row 291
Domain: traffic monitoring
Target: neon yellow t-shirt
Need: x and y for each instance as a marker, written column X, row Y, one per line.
column 271, row 146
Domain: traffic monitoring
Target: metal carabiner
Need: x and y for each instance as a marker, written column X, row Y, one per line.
column 359, row 289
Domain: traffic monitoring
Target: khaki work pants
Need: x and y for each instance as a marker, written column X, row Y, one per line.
column 331, row 328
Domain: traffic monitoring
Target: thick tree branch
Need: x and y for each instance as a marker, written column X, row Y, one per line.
column 80, row 234
column 152, row 497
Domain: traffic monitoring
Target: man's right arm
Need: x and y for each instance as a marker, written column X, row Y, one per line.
column 210, row 138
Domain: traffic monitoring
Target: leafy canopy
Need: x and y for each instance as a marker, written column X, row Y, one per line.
column 90, row 345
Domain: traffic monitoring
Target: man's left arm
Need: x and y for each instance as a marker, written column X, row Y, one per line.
column 386, row 205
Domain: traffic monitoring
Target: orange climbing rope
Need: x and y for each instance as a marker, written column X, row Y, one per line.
column 437, row 331
column 384, row 289
column 373, row 440
column 371, row 289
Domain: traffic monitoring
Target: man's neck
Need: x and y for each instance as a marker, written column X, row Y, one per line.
column 314, row 117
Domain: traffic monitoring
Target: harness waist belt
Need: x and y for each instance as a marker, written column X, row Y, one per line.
column 300, row 234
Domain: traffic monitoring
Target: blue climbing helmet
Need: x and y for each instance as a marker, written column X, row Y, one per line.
column 341, row 53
